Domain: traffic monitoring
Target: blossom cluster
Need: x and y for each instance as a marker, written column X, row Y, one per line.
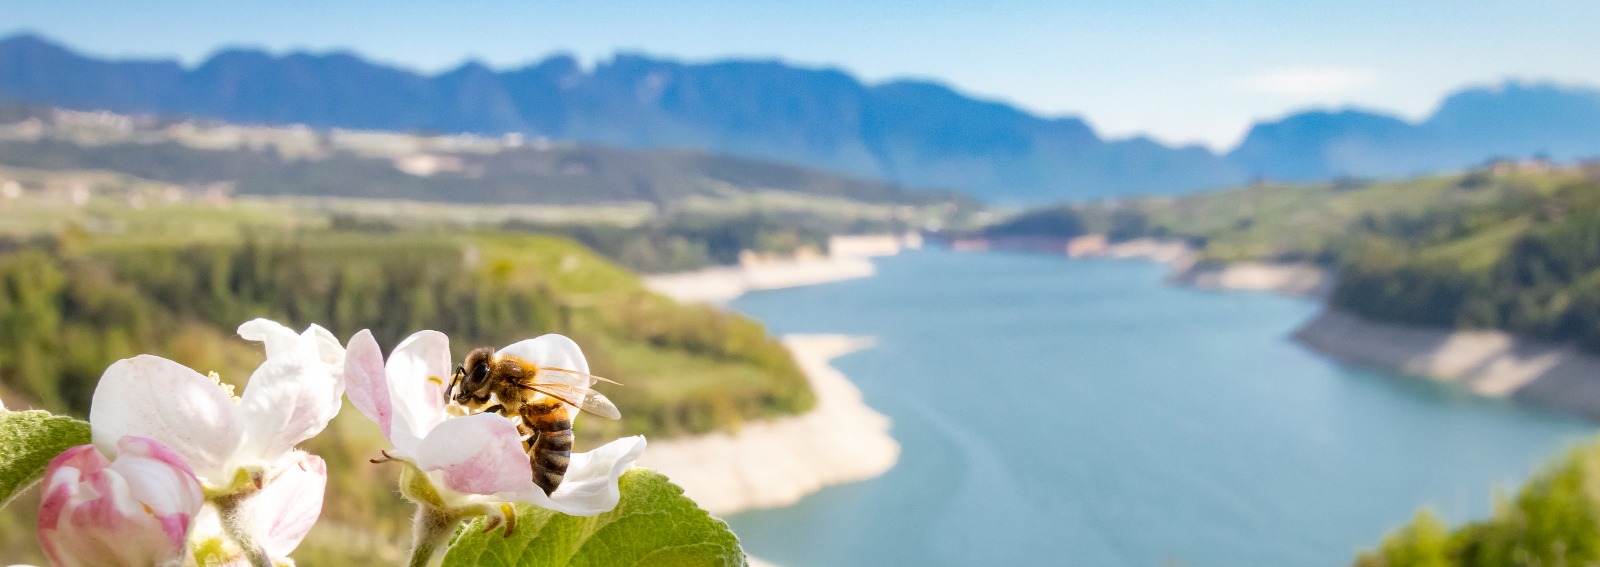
column 184, row 472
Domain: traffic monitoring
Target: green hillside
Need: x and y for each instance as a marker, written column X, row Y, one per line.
column 83, row 286
column 1514, row 251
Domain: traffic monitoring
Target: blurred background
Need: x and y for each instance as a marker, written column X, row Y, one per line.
column 1231, row 282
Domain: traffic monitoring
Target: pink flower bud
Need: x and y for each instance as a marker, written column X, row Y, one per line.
column 134, row 512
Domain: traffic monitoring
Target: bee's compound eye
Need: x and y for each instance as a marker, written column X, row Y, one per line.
column 477, row 375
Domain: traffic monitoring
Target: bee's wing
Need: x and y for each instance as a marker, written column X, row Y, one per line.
column 564, row 376
column 583, row 398
column 572, row 387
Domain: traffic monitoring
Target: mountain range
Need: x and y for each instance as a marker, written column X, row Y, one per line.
column 1508, row 121
column 912, row 133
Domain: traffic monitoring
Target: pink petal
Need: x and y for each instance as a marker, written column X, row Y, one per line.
column 479, row 454
column 157, row 477
column 418, row 372
column 70, row 465
column 283, row 512
column 158, row 399
column 365, row 382
column 85, row 458
column 134, row 511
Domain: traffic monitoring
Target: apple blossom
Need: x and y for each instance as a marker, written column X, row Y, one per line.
column 135, row 511
column 477, row 458
column 241, row 448
column 229, row 441
column 466, row 465
column 278, row 517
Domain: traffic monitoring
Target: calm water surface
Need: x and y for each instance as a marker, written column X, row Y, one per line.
column 1055, row 412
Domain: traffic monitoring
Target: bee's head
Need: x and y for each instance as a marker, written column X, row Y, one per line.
column 470, row 386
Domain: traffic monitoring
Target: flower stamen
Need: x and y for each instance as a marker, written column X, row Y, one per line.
column 226, row 387
column 511, row 518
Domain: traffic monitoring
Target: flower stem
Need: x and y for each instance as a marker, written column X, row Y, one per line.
column 230, row 511
column 430, row 534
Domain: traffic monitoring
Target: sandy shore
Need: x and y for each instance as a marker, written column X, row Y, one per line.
column 1486, row 362
column 1300, row 280
column 1490, row 363
column 1303, row 280
column 724, row 283
column 775, row 463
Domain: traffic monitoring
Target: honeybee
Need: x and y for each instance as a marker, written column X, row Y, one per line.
column 541, row 396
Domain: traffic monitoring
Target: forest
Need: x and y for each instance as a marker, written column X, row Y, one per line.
column 1554, row 519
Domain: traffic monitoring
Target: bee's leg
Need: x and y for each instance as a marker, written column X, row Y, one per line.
column 550, row 448
column 455, row 379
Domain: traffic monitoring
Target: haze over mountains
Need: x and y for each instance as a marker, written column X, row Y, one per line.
column 914, row 133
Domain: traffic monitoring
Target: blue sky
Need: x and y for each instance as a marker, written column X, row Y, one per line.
column 1178, row 70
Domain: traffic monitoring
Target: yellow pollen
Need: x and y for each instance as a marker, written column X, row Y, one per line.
column 511, row 518
column 227, row 388
column 147, row 509
column 436, row 380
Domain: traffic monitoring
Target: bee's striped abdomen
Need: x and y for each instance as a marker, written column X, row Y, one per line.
column 550, row 446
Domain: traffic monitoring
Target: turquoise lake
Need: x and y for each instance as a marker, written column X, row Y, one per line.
column 1058, row 412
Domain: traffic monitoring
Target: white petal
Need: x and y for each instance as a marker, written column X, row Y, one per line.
column 405, row 442
column 290, row 398
column 283, row 512
column 277, row 339
column 479, row 454
column 590, row 486
column 328, row 348
column 550, row 350
column 152, row 397
column 554, row 351
column 418, row 371
column 365, row 382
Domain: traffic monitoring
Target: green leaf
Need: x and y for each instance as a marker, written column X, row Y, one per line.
column 28, row 440
column 653, row 526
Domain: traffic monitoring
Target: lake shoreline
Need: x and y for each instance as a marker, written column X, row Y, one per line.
column 1183, row 263
column 718, row 285
column 774, row 463
column 1487, row 362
